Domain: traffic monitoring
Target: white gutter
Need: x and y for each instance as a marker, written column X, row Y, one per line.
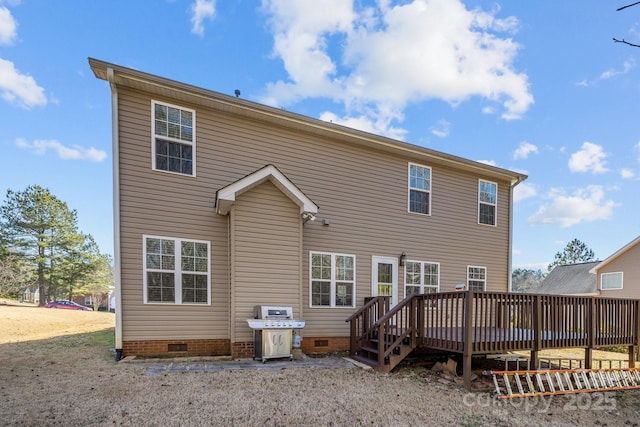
column 115, row 143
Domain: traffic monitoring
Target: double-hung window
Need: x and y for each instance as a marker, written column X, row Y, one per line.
column 173, row 142
column 487, row 202
column 333, row 280
column 176, row 271
column 421, row 277
column 476, row 278
column 419, row 189
column 611, row 281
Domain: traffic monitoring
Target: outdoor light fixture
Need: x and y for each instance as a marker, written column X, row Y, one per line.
column 308, row 216
column 403, row 258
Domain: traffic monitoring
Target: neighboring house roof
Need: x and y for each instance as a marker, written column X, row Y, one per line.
column 571, row 279
column 617, row 254
column 127, row 77
column 225, row 197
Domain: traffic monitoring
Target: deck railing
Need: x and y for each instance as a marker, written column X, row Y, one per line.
column 472, row 322
column 493, row 322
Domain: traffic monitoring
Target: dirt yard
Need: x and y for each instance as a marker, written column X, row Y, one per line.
column 57, row 368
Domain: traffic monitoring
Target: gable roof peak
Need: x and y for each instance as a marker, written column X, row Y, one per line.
column 226, row 196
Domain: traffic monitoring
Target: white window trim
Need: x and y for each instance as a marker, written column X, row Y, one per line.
column 177, row 270
column 484, row 288
column 609, row 274
column 421, row 285
column 333, row 280
column 170, row 139
column 495, row 205
column 409, row 188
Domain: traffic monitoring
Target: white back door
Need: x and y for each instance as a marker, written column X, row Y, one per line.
column 384, row 277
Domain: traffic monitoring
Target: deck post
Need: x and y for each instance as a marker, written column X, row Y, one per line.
column 418, row 323
column 468, row 335
column 590, row 326
column 537, row 331
column 353, row 337
column 632, row 356
column 636, row 311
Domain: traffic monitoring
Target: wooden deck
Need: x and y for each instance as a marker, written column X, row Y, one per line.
column 472, row 323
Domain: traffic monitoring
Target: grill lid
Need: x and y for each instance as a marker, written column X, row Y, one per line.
column 274, row 317
column 272, row 312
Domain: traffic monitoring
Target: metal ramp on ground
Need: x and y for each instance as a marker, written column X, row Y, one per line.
column 511, row 384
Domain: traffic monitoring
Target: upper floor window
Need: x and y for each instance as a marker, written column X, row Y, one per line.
column 333, row 280
column 419, row 189
column 173, row 139
column 476, row 278
column 611, row 281
column 487, row 202
column 176, row 271
column 421, row 278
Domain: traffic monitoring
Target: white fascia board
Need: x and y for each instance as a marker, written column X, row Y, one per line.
column 226, row 196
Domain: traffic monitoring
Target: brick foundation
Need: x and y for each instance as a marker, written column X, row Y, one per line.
column 223, row 347
column 177, row 348
column 242, row 350
column 312, row 345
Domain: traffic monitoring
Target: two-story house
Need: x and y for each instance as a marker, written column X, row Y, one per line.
column 222, row 204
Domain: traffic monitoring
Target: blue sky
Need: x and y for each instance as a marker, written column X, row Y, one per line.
column 537, row 87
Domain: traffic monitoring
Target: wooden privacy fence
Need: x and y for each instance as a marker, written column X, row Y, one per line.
column 472, row 322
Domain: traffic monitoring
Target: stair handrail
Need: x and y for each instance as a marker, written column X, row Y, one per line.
column 385, row 348
column 362, row 309
column 393, row 310
column 359, row 318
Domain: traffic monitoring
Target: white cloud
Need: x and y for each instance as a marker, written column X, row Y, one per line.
column 376, row 60
column 442, row 129
column 378, row 126
column 612, row 72
column 40, row 147
column 19, row 88
column 590, row 158
column 608, row 74
column 200, row 11
column 488, row 162
column 8, row 26
column 524, row 149
column 584, row 205
column 524, row 191
column 533, row 266
column 627, row 173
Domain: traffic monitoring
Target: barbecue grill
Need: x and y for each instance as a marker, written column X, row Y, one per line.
column 272, row 331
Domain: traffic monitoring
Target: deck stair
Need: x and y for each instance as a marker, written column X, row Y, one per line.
column 382, row 336
column 511, row 384
column 370, row 351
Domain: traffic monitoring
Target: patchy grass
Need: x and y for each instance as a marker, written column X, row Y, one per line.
column 71, row 379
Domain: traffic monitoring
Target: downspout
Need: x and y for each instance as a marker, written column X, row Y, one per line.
column 115, row 143
column 510, row 254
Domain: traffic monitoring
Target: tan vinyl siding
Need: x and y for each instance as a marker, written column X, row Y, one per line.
column 266, row 254
column 629, row 264
column 169, row 205
column 361, row 191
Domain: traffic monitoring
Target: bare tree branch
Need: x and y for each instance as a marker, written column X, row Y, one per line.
column 629, row 5
column 625, row 42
